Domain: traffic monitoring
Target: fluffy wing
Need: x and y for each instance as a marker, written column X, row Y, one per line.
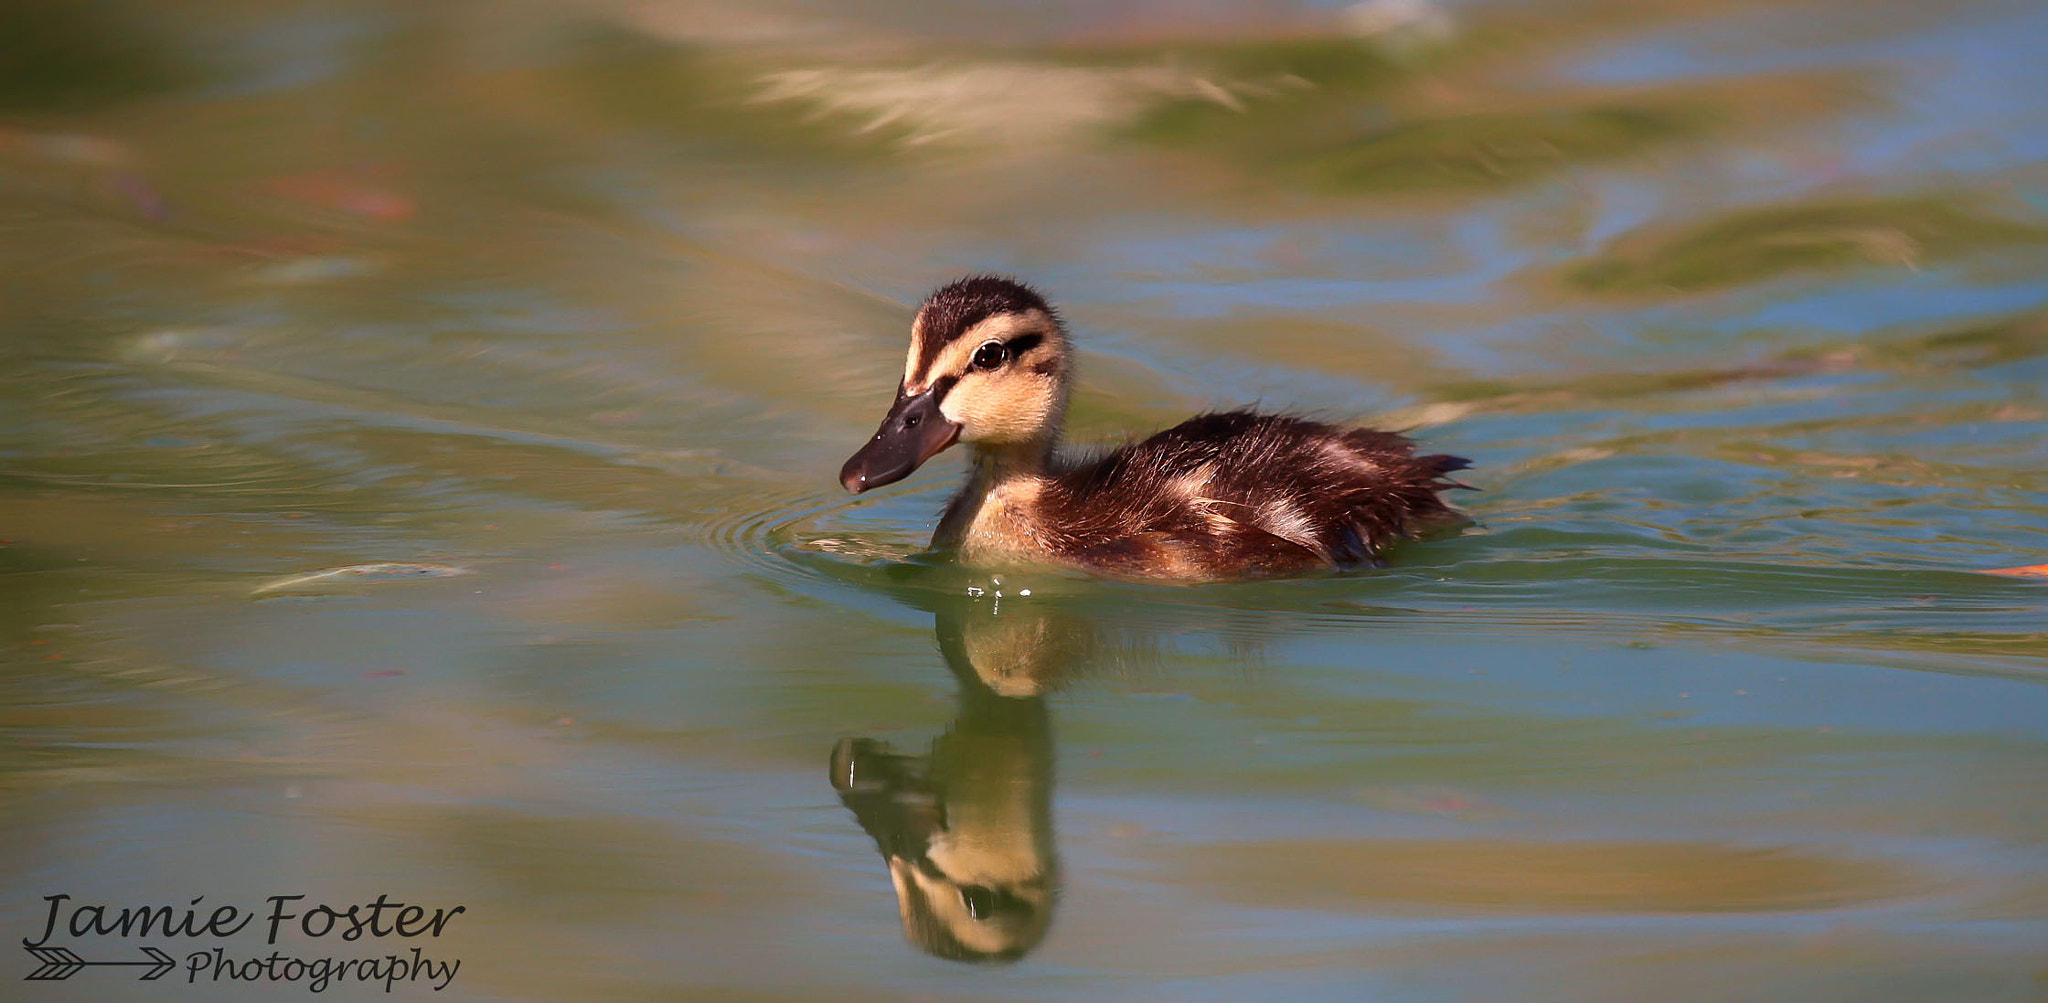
column 1238, row 492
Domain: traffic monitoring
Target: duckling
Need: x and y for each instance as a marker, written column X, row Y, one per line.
column 1224, row 495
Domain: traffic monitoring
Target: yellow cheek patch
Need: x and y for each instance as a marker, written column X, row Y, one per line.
column 1010, row 406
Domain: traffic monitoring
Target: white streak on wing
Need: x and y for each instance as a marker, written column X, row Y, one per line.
column 1344, row 456
column 1191, row 484
column 1206, row 508
column 1283, row 520
column 1189, row 487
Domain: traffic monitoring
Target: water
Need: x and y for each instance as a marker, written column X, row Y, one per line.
column 419, row 425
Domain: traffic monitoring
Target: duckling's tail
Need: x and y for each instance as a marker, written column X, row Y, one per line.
column 1441, row 464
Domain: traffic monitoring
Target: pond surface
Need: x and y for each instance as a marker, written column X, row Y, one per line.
column 419, row 426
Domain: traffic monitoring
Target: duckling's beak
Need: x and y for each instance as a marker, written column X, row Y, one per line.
column 914, row 432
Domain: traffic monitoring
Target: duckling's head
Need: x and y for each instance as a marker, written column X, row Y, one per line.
column 988, row 365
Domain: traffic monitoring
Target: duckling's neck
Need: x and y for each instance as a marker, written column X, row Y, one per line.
column 991, row 512
column 997, row 463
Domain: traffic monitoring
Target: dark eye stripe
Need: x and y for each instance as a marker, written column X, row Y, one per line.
column 1023, row 343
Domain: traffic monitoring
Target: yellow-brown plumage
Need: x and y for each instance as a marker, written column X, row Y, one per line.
column 1235, row 494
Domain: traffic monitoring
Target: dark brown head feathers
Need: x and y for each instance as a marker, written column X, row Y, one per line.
column 953, row 308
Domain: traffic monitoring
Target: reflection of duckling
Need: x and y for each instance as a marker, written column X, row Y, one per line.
column 1226, row 495
column 967, row 831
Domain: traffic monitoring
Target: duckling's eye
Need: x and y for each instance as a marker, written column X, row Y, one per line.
column 980, row 902
column 991, row 355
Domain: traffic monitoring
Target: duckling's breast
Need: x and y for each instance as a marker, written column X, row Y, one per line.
column 1007, row 526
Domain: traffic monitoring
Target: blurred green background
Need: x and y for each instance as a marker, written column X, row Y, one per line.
column 548, row 323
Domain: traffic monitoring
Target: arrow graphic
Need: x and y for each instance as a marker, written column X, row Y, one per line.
column 60, row 963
